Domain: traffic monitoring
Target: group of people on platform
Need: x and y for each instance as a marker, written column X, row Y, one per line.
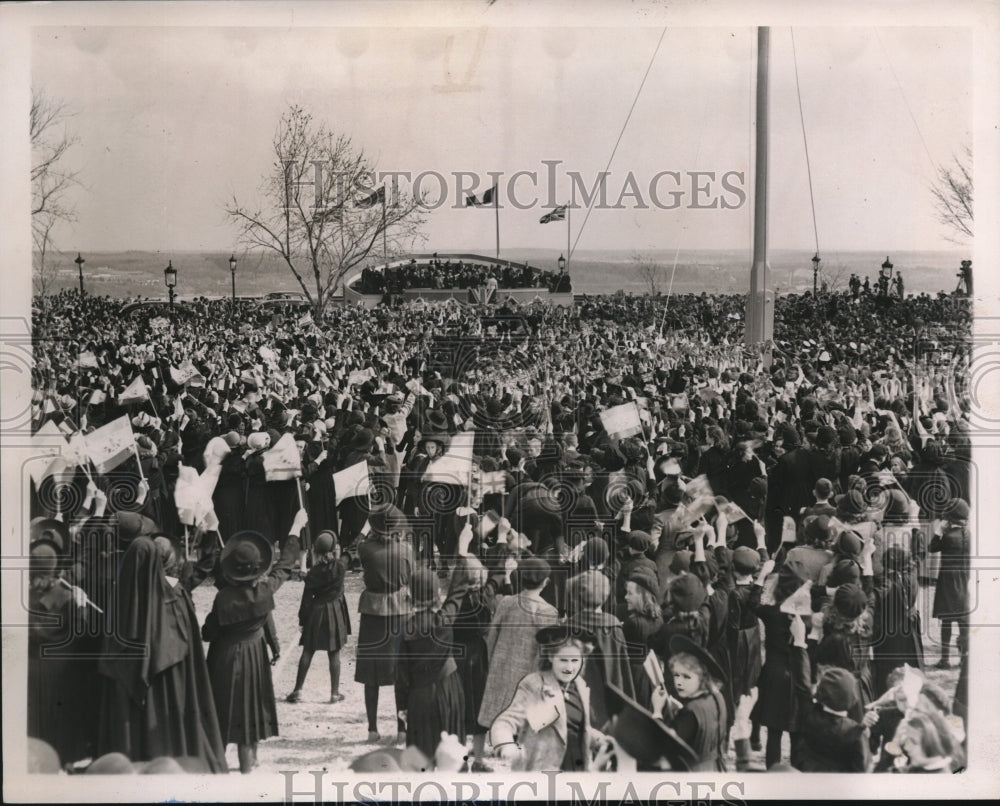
column 746, row 560
column 448, row 274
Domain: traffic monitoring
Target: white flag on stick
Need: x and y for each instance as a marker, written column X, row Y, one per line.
column 111, row 444
column 282, row 461
column 351, row 482
column 134, row 392
column 622, row 421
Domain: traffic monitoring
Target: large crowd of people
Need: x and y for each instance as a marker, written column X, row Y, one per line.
column 620, row 540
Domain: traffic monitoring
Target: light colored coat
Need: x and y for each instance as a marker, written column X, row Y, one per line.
column 543, row 749
column 512, row 648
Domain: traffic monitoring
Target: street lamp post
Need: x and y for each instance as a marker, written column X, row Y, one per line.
column 79, row 265
column 815, row 262
column 561, row 263
column 884, row 276
column 232, row 272
column 170, row 279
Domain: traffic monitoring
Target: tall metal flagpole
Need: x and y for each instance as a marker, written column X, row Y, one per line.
column 760, row 310
column 385, row 250
column 568, row 255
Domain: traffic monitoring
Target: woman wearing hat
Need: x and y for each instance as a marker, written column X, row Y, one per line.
column 547, row 724
column 387, row 563
column 951, row 596
column 159, row 701
column 237, row 657
column 429, row 690
column 323, row 614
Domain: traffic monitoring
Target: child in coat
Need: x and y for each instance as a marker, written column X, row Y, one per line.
column 323, row 614
column 701, row 722
column 237, row 657
column 547, row 724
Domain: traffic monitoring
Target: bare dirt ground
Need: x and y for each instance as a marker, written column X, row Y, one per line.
column 315, row 735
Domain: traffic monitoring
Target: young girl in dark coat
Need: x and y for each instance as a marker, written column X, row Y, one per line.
column 896, row 637
column 951, row 596
column 743, row 638
column 428, row 687
column 237, row 657
column 640, row 622
column 323, row 614
column 701, row 722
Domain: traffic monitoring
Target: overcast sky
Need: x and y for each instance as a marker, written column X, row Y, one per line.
column 173, row 120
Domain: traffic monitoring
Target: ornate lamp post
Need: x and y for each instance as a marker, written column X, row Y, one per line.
column 561, row 263
column 170, row 279
column 885, row 275
column 79, row 265
column 232, row 272
column 815, row 262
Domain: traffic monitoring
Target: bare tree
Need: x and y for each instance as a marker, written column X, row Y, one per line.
column 51, row 180
column 318, row 210
column 649, row 271
column 952, row 193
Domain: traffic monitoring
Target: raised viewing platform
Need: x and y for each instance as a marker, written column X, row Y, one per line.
column 412, row 277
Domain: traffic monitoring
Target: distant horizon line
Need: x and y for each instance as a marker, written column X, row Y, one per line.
column 489, row 251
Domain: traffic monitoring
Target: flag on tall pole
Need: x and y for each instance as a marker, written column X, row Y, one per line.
column 560, row 213
column 489, row 197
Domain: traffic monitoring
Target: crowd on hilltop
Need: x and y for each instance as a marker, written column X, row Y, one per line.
column 459, row 274
column 682, row 549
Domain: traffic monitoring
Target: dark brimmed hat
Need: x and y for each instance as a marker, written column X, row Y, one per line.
column 687, row 593
column 246, row 556
column 361, row 440
column 49, row 530
column 837, row 689
column 643, row 736
column 819, row 531
column 682, row 643
column 131, row 525
column 956, row 510
column 387, row 521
